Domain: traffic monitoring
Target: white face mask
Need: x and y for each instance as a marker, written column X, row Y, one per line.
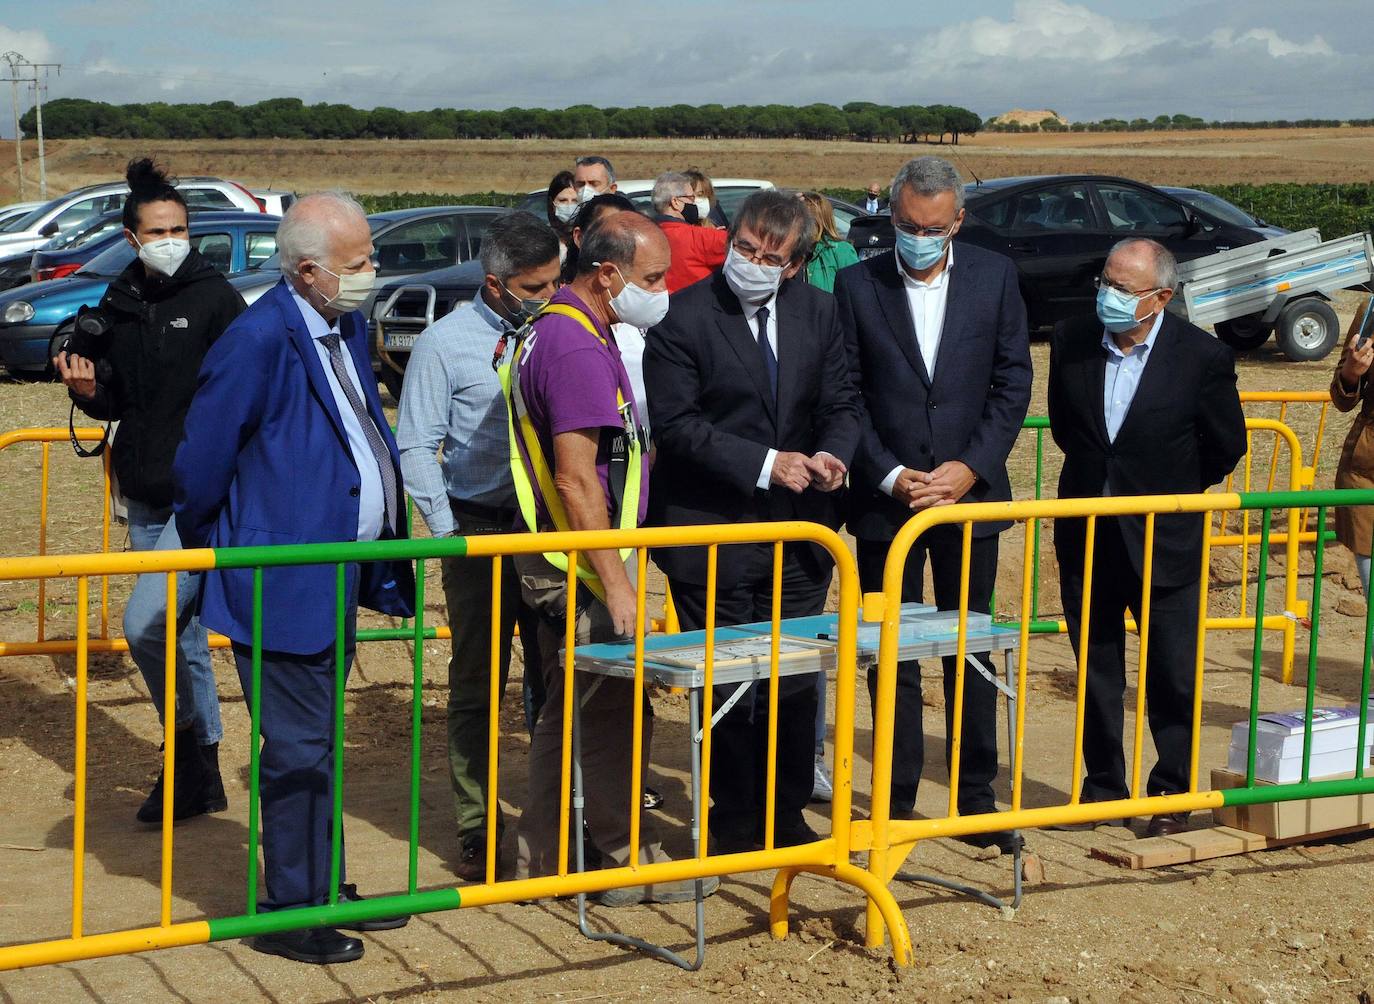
column 565, row 211
column 638, row 307
column 586, row 193
column 354, row 288
column 165, row 256
column 751, row 283
column 703, row 207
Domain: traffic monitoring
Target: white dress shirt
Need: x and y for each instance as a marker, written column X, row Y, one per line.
column 750, row 312
column 371, row 501
column 927, row 301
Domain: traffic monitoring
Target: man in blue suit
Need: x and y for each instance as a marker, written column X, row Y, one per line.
column 286, row 443
column 940, row 353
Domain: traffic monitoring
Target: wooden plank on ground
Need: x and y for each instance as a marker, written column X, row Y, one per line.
column 1201, row 845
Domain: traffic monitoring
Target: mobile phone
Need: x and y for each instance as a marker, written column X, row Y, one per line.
column 1367, row 325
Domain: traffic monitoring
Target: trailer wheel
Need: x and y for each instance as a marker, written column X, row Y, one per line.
column 1308, row 330
column 1244, row 334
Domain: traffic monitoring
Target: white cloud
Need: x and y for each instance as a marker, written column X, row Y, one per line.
column 1275, row 44
column 1040, row 30
column 32, row 45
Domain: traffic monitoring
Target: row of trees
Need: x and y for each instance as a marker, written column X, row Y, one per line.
column 291, row 118
column 1162, row 123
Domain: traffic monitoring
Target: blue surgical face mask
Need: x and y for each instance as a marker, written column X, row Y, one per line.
column 1116, row 310
column 921, row 253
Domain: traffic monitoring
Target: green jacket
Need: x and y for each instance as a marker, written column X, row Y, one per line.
column 827, row 258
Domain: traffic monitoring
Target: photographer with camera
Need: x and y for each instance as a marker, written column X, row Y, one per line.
column 135, row 359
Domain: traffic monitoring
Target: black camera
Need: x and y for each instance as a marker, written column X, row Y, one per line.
column 90, row 338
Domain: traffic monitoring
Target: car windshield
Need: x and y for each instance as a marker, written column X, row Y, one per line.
column 94, row 229
column 110, row 262
column 1218, row 207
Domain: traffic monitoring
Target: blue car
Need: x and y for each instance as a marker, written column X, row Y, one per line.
column 34, row 319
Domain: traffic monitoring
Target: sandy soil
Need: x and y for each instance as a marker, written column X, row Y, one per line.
column 459, row 166
column 1284, row 925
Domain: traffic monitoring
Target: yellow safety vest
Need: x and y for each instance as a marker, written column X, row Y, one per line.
column 522, row 433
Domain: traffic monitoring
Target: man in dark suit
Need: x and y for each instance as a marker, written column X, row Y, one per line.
column 754, row 419
column 939, row 351
column 286, row 443
column 874, row 201
column 1142, row 403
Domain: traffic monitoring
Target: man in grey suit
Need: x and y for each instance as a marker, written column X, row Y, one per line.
column 939, row 350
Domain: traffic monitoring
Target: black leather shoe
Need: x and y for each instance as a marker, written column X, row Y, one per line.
column 472, row 857
column 795, row 835
column 734, row 843
column 319, row 946
column 348, row 893
column 1167, row 824
column 1004, row 840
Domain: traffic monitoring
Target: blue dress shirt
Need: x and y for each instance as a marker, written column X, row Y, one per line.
column 1122, row 378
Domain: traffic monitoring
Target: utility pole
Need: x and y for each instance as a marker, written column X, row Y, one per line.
column 20, row 70
column 13, row 58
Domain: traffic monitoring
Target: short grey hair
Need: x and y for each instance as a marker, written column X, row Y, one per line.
column 305, row 234
column 1165, row 264
column 592, row 161
column 668, row 186
column 517, row 242
column 929, row 176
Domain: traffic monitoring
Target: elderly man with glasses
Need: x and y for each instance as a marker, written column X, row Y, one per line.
column 1142, row 403
column 940, row 354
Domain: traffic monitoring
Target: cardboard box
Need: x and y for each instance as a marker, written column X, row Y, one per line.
column 1279, row 739
column 1282, row 820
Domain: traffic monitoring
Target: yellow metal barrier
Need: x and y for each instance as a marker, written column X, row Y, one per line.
column 1295, row 609
column 827, row 856
column 890, row 841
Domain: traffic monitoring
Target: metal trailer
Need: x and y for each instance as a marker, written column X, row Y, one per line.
column 1281, row 286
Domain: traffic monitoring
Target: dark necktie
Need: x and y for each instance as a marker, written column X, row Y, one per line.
column 770, row 361
column 380, row 453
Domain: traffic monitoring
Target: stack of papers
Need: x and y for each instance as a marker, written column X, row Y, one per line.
column 1279, row 741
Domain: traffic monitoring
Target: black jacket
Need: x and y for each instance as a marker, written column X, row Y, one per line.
column 161, row 330
column 714, row 419
column 1184, row 432
column 970, row 411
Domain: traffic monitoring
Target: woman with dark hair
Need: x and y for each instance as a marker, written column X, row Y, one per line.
column 161, row 316
column 560, row 206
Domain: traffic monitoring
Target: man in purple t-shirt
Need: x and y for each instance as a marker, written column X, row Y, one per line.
column 572, row 383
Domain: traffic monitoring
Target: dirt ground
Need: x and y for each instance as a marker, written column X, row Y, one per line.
column 1284, row 925
column 458, row 166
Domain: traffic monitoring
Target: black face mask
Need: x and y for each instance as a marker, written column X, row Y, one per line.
column 690, row 214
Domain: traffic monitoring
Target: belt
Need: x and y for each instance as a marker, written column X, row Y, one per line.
column 502, row 516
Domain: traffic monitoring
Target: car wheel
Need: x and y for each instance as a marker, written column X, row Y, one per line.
column 55, row 345
column 1308, row 330
column 1244, row 334
column 392, row 381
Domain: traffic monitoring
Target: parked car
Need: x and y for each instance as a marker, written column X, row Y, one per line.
column 34, row 319
column 1223, row 210
column 11, row 215
column 273, row 201
column 67, row 211
column 730, row 192
column 66, row 253
column 1059, row 228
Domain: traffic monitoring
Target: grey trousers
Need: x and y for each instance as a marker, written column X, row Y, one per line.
column 606, row 736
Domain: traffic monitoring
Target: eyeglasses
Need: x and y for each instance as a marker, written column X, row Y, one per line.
column 907, row 228
column 750, row 253
column 1102, row 280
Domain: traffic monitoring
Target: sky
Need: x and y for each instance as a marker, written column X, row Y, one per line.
column 1086, row 59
